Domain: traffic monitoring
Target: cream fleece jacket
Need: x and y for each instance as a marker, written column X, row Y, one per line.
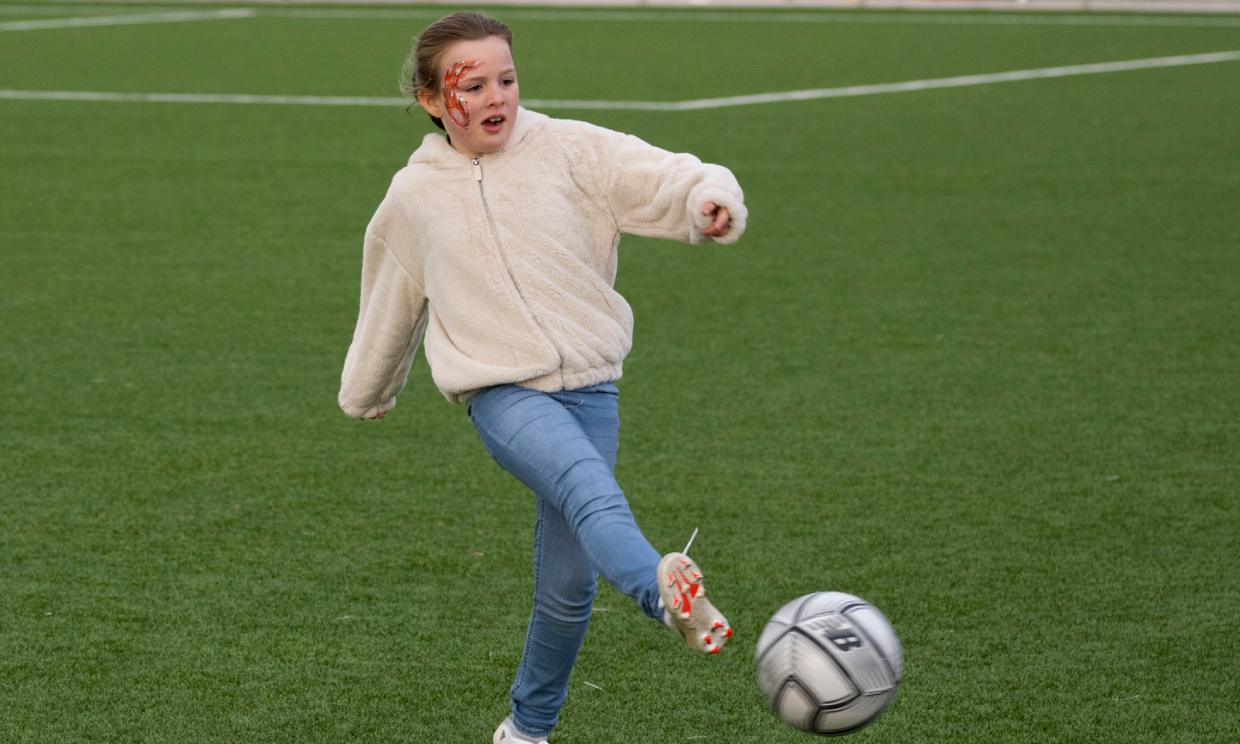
column 504, row 265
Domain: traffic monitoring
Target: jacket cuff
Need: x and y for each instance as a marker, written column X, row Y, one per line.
column 373, row 412
column 723, row 198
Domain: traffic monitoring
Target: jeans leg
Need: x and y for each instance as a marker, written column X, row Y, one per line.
column 564, row 588
column 535, row 438
column 550, row 442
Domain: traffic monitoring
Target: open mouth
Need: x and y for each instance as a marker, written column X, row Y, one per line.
column 493, row 123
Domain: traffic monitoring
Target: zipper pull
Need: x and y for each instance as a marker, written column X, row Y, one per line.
column 477, row 170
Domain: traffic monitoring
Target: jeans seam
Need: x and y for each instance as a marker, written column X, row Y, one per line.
column 529, row 631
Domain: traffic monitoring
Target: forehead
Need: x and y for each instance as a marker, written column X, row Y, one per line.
column 492, row 53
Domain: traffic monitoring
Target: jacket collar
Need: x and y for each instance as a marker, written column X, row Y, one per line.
column 438, row 153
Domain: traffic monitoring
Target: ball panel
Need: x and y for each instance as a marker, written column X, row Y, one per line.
column 816, row 669
column 775, row 664
column 797, row 655
column 879, row 631
column 796, row 707
column 856, row 715
column 821, row 603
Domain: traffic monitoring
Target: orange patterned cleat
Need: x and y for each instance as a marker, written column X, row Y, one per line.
column 688, row 610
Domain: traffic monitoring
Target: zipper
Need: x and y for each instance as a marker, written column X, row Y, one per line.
column 486, row 210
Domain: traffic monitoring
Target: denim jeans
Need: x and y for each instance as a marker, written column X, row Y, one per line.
column 563, row 447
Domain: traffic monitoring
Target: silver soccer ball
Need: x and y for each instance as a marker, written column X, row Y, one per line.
column 829, row 663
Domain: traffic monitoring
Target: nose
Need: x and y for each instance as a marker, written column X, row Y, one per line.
column 495, row 97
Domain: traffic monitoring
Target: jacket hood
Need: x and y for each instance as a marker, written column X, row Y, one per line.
column 437, row 152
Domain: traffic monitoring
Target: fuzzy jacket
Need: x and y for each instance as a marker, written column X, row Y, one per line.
column 504, row 264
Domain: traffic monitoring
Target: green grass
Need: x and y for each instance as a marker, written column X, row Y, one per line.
column 975, row 360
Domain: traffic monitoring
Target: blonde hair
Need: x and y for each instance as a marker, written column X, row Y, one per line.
column 421, row 69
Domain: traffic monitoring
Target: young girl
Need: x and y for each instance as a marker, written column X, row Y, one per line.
column 495, row 248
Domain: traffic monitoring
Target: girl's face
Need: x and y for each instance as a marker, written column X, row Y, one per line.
column 478, row 95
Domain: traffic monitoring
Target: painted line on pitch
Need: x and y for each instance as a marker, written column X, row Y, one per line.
column 880, row 17
column 699, row 104
column 37, row 10
column 959, row 81
column 127, row 19
column 108, row 97
column 941, row 18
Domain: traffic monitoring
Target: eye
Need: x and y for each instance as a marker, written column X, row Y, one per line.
column 473, row 88
column 509, row 81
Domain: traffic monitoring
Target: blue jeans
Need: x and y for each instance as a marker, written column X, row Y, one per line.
column 563, row 447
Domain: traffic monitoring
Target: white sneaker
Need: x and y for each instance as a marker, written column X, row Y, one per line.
column 685, row 604
column 507, row 734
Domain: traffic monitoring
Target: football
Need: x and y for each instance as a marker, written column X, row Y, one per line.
column 829, row 663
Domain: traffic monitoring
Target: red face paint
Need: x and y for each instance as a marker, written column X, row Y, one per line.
column 458, row 110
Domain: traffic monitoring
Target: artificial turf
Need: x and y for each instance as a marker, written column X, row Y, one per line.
column 975, row 360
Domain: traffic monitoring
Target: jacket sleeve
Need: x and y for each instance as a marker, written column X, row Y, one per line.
column 391, row 321
column 656, row 193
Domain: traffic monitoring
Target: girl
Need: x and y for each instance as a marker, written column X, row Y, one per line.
column 495, row 248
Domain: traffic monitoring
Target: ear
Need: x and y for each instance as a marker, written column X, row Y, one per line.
column 430, row 103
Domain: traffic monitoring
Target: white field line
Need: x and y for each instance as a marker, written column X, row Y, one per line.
column 689, row 105
column 123, row 19
column 52, row 10
column 949, row 18
column 108, row 97
column 959, row 81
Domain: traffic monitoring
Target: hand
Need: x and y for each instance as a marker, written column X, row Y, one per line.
column 722, row 221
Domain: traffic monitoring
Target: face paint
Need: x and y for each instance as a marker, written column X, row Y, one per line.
column 458, row 110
